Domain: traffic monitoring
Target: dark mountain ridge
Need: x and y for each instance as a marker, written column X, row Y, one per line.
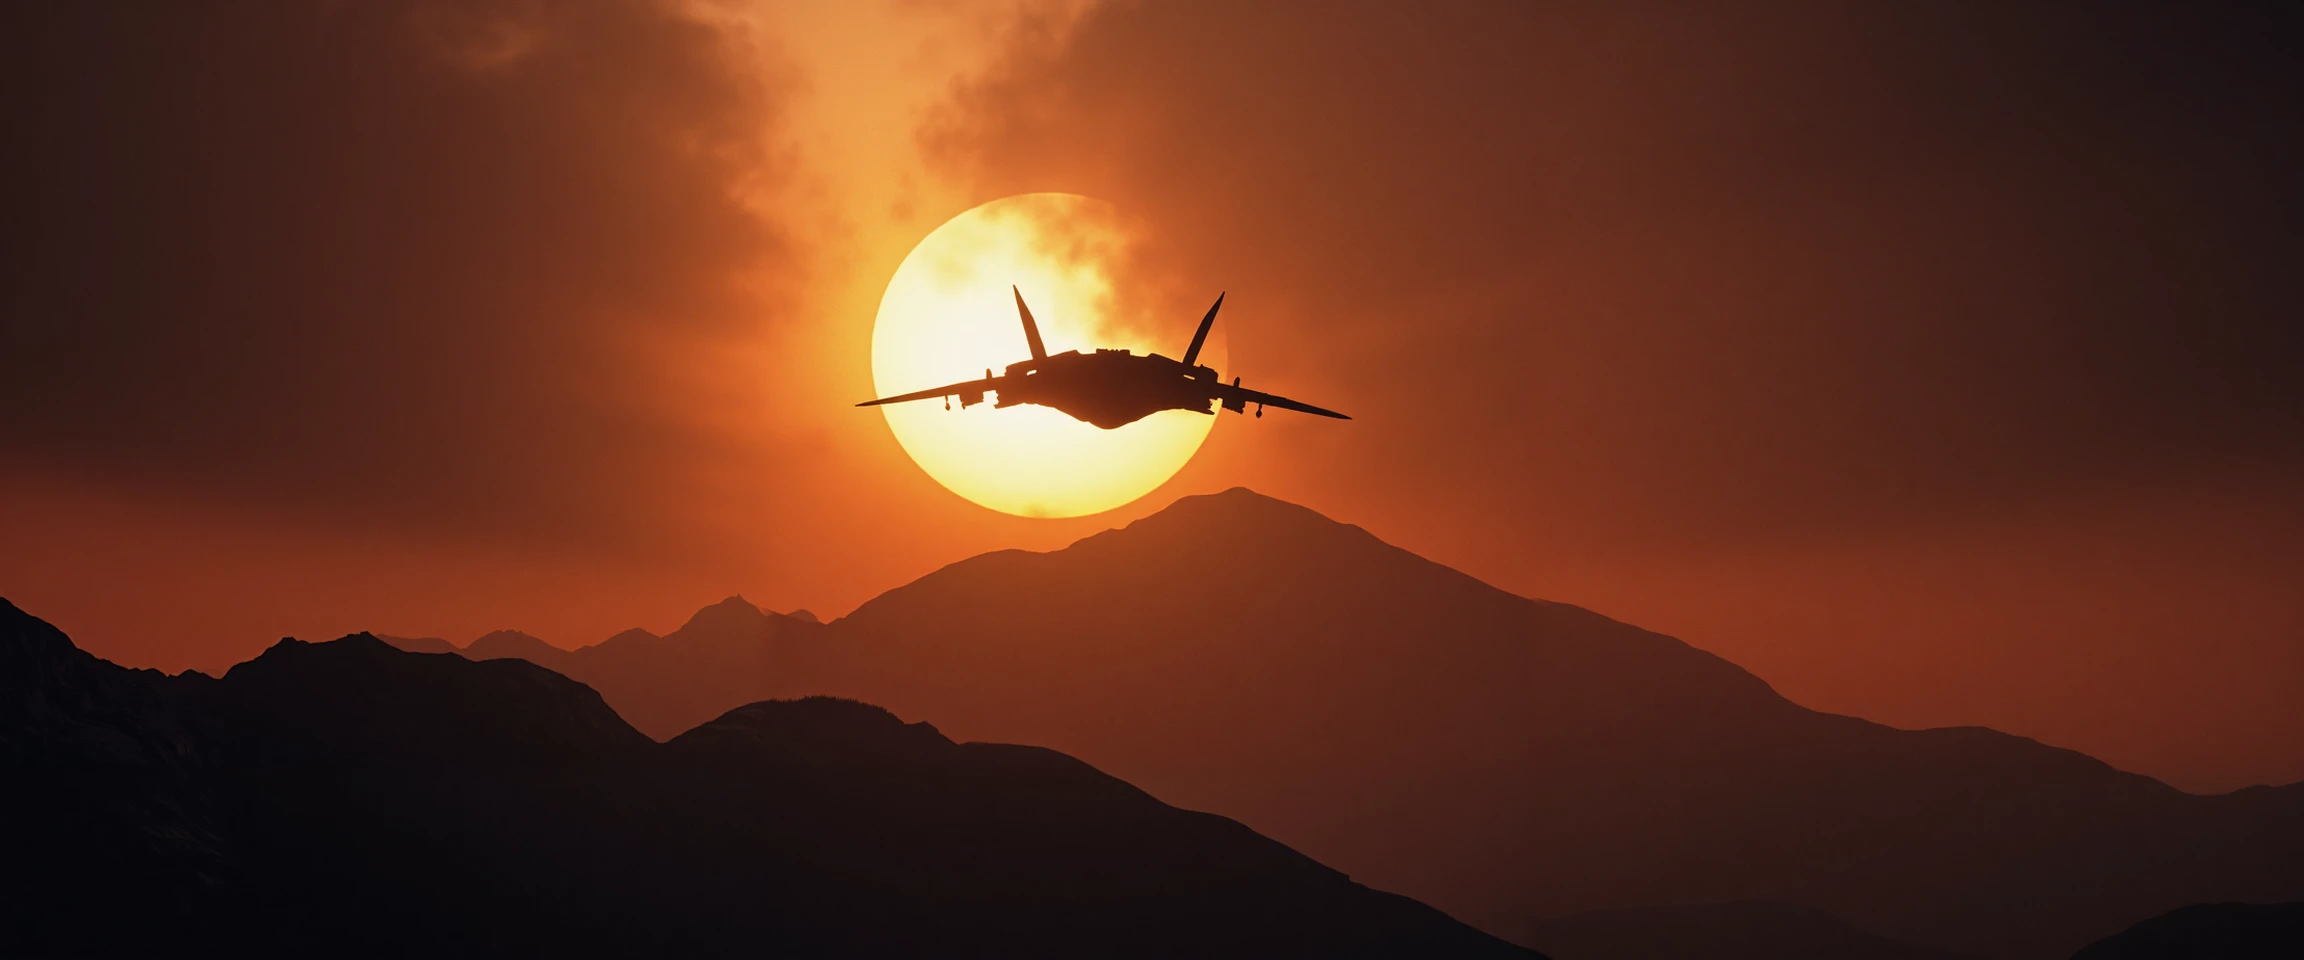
column 348, row 798
column 1749, row 930
column 2209, row 931
column 729, row 653
column 106, row 791
column 1507, row 758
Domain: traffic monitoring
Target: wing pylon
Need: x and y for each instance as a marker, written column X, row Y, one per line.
column 964, row 390
column 1236, row 398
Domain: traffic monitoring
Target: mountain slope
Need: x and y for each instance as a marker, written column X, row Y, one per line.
column 1750, row 930
column 419, row 644
column 103, row 800
column 2209, row 931
column 1502, row 758
column 727, row 654
column 1505, row 758
column 355, row 799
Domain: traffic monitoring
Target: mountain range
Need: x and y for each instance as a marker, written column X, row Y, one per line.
column 351, row 799
column 1505, row 759
column 724, row 656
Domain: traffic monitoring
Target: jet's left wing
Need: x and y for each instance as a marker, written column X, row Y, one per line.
column 1235, row 397
column 961, row 389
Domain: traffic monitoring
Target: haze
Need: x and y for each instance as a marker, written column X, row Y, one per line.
column 1936, row 364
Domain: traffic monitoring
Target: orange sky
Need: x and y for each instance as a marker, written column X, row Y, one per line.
column 1936, row 365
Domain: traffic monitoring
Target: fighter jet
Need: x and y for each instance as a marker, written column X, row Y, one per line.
column 1108, row 388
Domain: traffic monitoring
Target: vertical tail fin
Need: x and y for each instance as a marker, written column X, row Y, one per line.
column 1031, row 330
column 1202, row 337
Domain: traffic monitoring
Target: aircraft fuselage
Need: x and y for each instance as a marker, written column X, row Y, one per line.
column 1108, row 388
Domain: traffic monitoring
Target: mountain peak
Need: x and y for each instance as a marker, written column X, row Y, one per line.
column 507, row 636
column 817, row 725
column 734, row 613
column 634, row 635
column 357, row 689
column 1215, row 524
column 503, row 644
column 26, row 639
column 1242, row 505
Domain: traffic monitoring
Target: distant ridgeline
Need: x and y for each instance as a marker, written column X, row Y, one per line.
column 350, row 799
column 1504, row 759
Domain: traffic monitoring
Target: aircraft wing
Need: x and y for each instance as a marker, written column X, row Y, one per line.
column 1233, row 394
column 962, row 388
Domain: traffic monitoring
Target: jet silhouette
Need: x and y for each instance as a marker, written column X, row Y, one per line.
column 1109, row 388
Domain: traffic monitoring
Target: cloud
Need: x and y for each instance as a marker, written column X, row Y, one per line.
column 1701, row 273
column 452, row 266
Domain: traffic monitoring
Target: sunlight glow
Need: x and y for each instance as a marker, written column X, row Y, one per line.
column 948, row 316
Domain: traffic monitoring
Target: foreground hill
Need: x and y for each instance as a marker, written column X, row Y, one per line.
column 348, row 798
column 1749, row 930
column 2209, row 931
column 1502, row 758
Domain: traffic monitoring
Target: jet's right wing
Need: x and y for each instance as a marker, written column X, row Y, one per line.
column 1236, row 397
column 961, row 389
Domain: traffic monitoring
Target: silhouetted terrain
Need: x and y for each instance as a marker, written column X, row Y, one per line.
column 348, row 798
column 2209, row 931
column 725, row 655
column 1499, row 757
column 1749, row 930
column 419, row 644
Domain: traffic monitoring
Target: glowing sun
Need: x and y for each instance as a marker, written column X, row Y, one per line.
column 948, row 316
